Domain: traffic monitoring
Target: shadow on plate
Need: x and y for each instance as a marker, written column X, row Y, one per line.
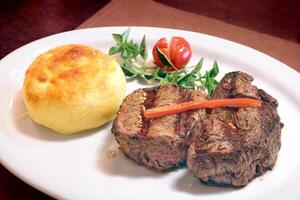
column 113, row 162
column 26, row 126
column 190, row 184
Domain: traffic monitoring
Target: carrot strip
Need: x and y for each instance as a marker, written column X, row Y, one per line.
column 182, row 107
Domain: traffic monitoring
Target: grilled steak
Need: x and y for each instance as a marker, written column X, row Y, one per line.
column 159, row 143
column 235, row 145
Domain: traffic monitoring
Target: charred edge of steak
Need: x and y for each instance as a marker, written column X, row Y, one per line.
column 163, row 148
column 236, row 84
column 129, row 119
column 129, row 125
column 156, row 143
column 237, row 145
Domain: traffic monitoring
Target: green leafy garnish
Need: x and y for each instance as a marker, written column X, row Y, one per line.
column 130, row 52
column 133, row 57
column 142, row 48
column 209, row 79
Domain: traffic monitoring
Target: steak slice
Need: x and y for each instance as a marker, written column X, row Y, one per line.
column 159, row 143
column 236, row 145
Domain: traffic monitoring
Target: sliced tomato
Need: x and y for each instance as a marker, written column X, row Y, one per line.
column 180, row 56
column 162, row 44
column 178, row 52
column 175, row 42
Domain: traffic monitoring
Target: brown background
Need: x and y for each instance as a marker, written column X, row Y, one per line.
column 271, row 26
column 248, row 32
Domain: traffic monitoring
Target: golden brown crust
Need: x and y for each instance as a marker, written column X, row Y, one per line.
column 61, row 70
column 71, row 80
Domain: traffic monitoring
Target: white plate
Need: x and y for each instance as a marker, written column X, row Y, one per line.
column 78, row 166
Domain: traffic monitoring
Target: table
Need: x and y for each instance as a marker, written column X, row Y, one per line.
column 152, row 13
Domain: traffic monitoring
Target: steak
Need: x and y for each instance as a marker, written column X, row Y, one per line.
column 233, row 146
column 159, row 143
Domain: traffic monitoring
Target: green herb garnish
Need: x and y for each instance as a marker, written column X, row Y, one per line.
column 133, row 62
column 130, row 52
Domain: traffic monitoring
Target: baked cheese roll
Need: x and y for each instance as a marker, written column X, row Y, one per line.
column 73, row 88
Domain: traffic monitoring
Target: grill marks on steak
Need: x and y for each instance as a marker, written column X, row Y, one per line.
column 165, row 126
column 129, row 126
column 159, row 143
column 236, row 145
column 228, row 146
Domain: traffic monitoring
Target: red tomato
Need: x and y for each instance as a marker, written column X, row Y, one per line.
column 162, row 44
column 178, row 52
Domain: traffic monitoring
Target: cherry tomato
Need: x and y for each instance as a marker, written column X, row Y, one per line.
column 162, row 44
column 178, row 52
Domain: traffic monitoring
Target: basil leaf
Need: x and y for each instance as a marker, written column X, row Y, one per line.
column 132, row 49
column 216, row 68
column 124, row 54
column 114, row 50
column 215, row 82
column 161, row 73
column 198, row 66
column 132, row 43
column 117, row 37
column 214, row 71
column 185, row 79
column 168, row 79
column 142, row 48
column 125, row 35
column 127, row 72
column 171, row 78
column 175, row 76
column 148, row 76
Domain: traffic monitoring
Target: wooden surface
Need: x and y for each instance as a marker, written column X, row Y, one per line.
column 151, row 13
column 280, row 18
column 23, row 21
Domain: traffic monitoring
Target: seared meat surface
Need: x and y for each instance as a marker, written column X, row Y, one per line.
column 235, row 145
column 159, row 143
